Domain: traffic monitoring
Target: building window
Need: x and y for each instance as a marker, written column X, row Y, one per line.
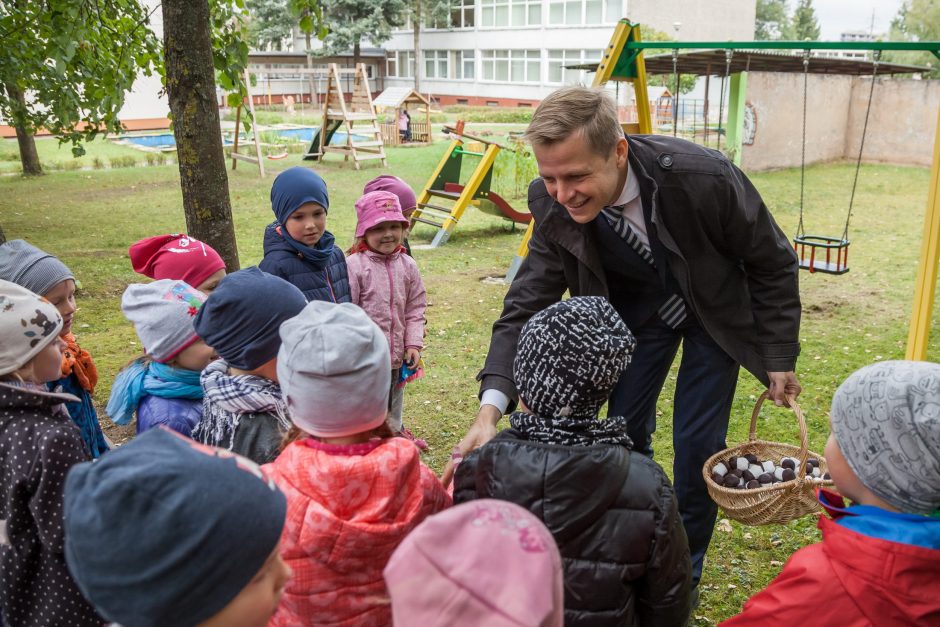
column 558, row 59
column 462, row 14
column 464, row 64
column 401, row 64
column 435, row 64
column 502, row 13
column 574, row 12
column 515, row 66
column 463, row 101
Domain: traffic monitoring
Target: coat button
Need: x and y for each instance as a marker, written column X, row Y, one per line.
column 665, row 161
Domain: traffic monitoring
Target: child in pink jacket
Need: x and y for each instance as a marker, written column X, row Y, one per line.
column 386, row 283
column 353, row 491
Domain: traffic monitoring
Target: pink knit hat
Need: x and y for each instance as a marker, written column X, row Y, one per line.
column 485, row 562
column 178, row 257
column 375, row 208
column 389, row 183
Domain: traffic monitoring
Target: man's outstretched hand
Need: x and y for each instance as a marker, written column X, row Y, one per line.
column 482, row 431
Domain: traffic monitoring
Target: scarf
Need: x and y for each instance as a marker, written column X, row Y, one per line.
column 568, row 431
column 143, row 378
column 317, row 255
column 76, row 360
column 229, row 397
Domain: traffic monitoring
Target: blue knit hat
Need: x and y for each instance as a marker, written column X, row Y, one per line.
column 295, row 187
column 241, row 317
column 165, row 531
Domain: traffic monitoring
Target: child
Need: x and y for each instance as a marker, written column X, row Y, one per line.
column 163, row 386
column 43, row 274
column 481, row 563
column 242, row 408
column 879, row 561
column 387, row 284
column 406, row 198
column 38, row 443
column 612, row 511
column 165, row 531
column 178, row 257
column 297, row 247
column 353, row 491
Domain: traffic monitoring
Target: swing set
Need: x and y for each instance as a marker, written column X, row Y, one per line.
column 623, row 60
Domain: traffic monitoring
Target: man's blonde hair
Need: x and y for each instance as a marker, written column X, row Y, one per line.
column 571, row 109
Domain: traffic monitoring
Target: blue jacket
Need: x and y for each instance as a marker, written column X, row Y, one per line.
column 330, row 283
column 179, row 414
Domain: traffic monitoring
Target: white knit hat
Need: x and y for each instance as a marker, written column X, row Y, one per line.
column 333, row 370
column 28, row 324
column 163, row 313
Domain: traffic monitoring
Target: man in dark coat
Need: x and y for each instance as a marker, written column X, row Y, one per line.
column 680, row 242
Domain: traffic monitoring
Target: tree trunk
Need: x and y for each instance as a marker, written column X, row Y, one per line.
column 29, row 158
column 356, row 52
column 417, row 25
column 3, row 236
column 190, row 86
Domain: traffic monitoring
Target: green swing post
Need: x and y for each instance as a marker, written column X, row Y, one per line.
column 737, row 97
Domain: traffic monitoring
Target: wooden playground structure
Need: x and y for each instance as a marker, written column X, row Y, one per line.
column 398, row 100
column 445, row 186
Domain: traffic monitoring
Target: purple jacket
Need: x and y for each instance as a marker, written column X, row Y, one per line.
column 179, row 414
column 389, row 288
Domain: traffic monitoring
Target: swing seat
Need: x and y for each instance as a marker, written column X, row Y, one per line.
column 817, row 253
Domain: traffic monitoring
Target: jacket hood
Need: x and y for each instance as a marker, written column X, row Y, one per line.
column 274, row 241
column 351, row 497
column 570, row 486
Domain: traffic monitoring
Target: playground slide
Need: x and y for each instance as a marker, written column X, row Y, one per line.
column 313, row 151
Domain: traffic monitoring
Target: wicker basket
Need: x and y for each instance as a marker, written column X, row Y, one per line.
column 776, row 503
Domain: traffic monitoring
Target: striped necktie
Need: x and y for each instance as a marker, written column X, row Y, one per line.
column 673, row 311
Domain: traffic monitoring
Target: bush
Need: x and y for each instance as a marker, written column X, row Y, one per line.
column 123, row 161
column 72, row 164
column 520, row 115
column 97, row 163
column 155, row 158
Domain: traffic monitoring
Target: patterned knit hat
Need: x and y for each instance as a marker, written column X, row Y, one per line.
column 36, row 270
column 886, row 419
column 176, row 256
column 570, row 356
column 28, row 324
column 163, row 313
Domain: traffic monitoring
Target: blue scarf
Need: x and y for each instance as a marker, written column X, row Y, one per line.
column 142, row 379
column 319, row 254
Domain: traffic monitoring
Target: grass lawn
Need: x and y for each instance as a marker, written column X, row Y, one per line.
column 89, row 217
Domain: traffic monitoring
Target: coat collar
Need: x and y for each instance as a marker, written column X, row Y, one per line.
column 19, row 396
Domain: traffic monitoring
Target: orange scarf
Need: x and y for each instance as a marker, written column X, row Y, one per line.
column 76, row 360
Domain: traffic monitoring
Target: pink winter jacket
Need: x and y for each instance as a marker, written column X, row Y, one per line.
column 389, row 288
column 348, row 509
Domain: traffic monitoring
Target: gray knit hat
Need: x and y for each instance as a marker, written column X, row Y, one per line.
column 886, row 419
column 163, row 313
column 333, row 370
column 570, row 356
column 28, row 323
column 36, row 270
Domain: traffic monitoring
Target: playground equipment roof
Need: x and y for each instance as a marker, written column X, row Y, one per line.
column 712, row 61
column 396, row 96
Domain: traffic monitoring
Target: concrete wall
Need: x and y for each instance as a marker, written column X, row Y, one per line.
column 903, row 121
column 901, row 128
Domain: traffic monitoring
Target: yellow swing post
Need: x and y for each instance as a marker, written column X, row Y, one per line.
column 925, row 287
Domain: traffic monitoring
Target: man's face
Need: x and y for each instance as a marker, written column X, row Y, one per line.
column 580, row 179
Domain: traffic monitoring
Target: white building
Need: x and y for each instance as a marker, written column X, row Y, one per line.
column 513, row 52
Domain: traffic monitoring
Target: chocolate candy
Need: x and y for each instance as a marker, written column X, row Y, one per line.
column 788, row 462
column 730, row 481
column 766, row 478
column 754, row 483
column 720, row 469
column 788, row 474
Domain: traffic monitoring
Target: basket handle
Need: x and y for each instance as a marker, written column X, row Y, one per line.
column 804, row 436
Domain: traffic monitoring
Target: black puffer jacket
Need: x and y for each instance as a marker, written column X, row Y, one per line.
column 613, row 514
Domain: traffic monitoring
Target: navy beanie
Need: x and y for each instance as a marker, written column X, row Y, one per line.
column 295, row 187
column 241, row 317
column 165, row 531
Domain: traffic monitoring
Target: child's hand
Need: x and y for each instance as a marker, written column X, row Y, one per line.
column 412, row 356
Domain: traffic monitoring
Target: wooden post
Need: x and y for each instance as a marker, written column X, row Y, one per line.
column 238, row 124
column 922, row 313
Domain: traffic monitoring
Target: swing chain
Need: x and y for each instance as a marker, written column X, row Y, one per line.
column 675, row 96
column 876, row 58
column 806, row 53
